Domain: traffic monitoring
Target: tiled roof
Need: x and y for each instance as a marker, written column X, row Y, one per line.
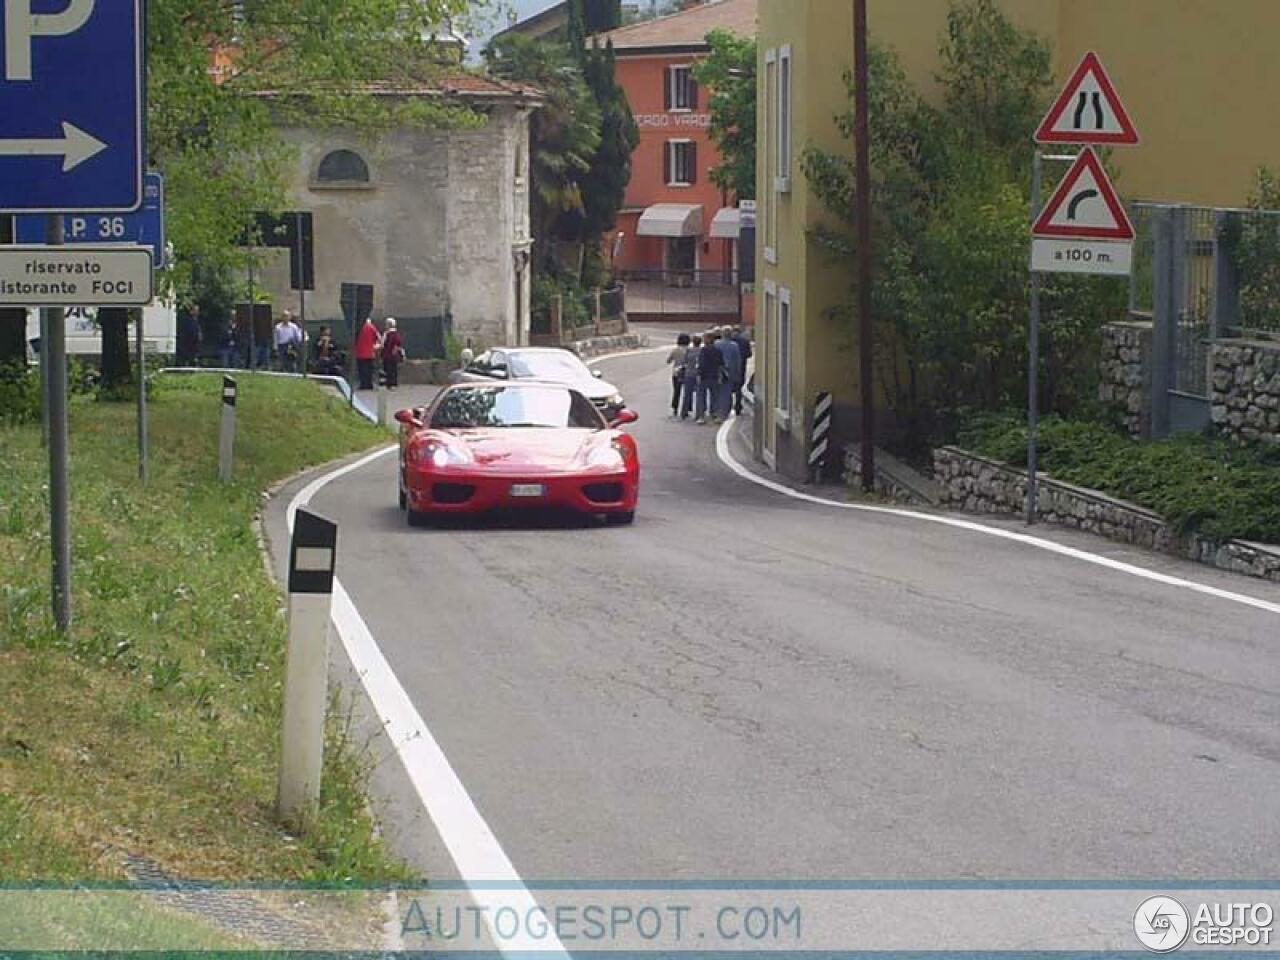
column 688, row 27
column 453, row 84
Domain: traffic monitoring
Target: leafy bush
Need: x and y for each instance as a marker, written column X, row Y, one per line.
column 1199, row 484
column 1253, row 243
column 19, row 395
column 950, row 200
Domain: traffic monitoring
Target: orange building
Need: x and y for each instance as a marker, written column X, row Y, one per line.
column 676, row 225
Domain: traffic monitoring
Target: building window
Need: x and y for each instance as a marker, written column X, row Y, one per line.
column 783, row 401
column 768, row 384
column 681, row 92
column 342, row 167
column 782, row 183
column 681, row 163
column 769, row 208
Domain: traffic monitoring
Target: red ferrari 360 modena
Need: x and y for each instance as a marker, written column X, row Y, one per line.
column 482, row 447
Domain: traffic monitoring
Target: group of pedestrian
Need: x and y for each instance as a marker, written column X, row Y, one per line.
column 708, row 372
column 372, row 345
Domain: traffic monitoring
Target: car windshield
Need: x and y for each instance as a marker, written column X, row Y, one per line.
column 515, row 407
column 556, row 365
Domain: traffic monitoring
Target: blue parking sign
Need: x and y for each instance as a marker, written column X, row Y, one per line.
column 71, row 102
column 144, row 227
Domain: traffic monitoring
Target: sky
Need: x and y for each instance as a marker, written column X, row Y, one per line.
column 492, row 15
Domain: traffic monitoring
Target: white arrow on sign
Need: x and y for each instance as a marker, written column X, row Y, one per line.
column 75, row 147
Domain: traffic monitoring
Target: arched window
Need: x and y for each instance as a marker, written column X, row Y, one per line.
column 343, row 166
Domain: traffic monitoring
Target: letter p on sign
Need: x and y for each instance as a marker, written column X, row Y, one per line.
column 21, row 27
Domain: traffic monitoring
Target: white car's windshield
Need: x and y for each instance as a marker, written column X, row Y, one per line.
column 560, row 365
column 515, row 407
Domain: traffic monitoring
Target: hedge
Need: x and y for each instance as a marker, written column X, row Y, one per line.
column 1200, row 484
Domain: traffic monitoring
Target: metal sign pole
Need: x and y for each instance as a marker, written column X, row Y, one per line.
column 44, row 378
column 143, row 452
column 1033, row 359
column 302, row 322
column 55, row 348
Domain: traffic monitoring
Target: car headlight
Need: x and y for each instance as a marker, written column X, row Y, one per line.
column 605, row 455
column 437, row 454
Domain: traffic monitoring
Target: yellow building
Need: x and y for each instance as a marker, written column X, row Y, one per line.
column 1198, row 77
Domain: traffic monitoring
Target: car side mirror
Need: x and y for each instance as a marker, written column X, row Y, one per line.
column 623, row 417
column 599, row 375
column 408, row 418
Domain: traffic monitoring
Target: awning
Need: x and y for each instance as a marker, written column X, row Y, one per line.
column 671, row 220
column 725, row 223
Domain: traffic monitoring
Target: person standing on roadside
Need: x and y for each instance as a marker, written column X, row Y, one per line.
column 676, row 360
column 744, row 348
column 392, row 353
column 690, row 376
column 366, row 350
column 228, row 341
column 732, row 373
column 710, row 375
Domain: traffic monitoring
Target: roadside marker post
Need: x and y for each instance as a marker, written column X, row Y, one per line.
column 312, row 558
column 381, row 393
column 227, row 436
column 820, row 436
column 1083, row 228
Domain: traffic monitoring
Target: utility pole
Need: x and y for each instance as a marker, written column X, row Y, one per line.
column 862, row 214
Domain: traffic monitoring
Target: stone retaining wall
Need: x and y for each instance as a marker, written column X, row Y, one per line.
column 980, row 485
column 1244, row 384
column 1123, row 374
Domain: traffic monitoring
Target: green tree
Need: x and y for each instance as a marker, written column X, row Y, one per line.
column 950, row 204
column 564, row 135
column 728, row 73
column 604, row 185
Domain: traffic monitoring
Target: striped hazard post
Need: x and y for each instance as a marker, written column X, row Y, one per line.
column 820, row 437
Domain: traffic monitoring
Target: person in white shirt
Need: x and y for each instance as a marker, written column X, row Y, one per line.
column 288, row 337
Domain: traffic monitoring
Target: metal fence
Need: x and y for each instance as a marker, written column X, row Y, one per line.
column 682, row 292
column 1200, row 274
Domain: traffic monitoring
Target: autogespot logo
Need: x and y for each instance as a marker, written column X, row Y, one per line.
column 1162, row 924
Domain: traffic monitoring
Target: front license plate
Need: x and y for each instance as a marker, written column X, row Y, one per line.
column 528, row 490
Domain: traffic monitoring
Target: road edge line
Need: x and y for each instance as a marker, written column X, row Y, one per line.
column 726, row 457
column 489, row 875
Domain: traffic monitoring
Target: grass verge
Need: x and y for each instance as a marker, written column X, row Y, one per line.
column 1199, row 484
column 152, row 728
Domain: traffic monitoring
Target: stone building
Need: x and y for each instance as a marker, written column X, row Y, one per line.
column 437, row 222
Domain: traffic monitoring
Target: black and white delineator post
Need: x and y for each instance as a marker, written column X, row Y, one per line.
column 312, row 557
column 227, row 436
column 820, row 437
column 380, row 392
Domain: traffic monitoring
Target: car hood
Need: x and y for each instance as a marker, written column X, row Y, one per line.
column 518, row 449
column 593, row 388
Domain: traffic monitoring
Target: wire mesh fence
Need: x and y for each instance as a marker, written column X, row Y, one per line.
column 1223, row 279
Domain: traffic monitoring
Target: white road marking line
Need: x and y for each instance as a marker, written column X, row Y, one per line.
column 727, row 458
column 490, row 876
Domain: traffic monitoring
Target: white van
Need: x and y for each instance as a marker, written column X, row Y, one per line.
column 159, row 330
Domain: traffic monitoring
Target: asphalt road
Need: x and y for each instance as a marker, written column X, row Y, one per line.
column 743, row 686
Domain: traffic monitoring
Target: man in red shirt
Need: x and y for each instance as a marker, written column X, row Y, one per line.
column 366, row 350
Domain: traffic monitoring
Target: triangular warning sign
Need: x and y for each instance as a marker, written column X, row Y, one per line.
column 1088, row 110
column 1085, row 205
